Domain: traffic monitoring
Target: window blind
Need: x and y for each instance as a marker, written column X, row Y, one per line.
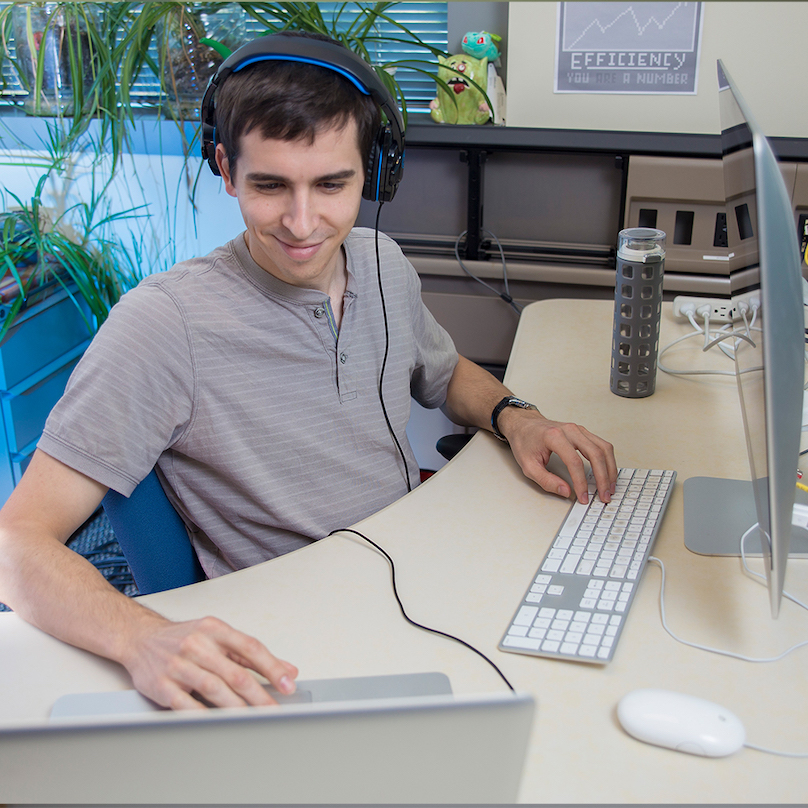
column 426, row 20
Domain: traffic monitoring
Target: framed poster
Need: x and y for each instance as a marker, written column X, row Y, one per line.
column 628, row 47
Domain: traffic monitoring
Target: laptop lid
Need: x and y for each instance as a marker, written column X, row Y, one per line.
column 440, row 748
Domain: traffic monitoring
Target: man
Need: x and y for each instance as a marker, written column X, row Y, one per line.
column 251, row 377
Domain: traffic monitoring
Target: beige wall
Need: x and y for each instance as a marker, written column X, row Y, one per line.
column 764, row 46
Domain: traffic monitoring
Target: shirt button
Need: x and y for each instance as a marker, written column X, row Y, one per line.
column 318, row 313
column 343, row 357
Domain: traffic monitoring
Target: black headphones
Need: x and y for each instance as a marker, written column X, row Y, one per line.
column 386, row 164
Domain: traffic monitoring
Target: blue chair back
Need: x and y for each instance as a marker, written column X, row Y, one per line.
column 153, row 537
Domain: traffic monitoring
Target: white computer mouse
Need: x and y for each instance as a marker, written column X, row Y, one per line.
column 681, row 722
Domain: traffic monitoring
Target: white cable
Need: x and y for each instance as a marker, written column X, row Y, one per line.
column 673, row 372
column 757, row 575
column 721, row 652
column 717, row 341
column 706, row 316
column 743, row 658
column 726, row 335
column 775, row 751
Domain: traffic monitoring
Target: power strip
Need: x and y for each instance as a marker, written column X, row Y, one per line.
column 721, row 311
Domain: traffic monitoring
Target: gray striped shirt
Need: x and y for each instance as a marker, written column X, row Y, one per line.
column 264, row 421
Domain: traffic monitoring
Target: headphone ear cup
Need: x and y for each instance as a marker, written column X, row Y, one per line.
column 371, row 187
column 384, row 168
column 209, row 148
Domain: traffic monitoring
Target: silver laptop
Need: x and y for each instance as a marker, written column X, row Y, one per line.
column 339, row 741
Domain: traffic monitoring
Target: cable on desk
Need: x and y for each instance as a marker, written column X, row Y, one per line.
column 717, row 341
column 719, row 651
column 407, row 617
column 732, row 654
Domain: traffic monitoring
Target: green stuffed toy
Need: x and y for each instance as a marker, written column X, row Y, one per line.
column 466, row 104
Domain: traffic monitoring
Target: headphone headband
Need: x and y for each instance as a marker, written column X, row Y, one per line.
column 385, row 166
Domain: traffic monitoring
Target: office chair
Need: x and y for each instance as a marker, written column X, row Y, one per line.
column 153, row 537
column 450, row 445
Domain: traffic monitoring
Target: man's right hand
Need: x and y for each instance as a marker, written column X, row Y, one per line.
column 61, row 593
column 175, row 664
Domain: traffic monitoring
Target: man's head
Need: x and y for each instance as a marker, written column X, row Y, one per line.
column 292, row 100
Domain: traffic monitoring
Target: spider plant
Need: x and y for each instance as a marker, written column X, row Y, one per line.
column 184, row 61
column 358, row 26
column 75, row 249
column 190, row 47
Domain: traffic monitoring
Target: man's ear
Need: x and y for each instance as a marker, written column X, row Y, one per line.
column 224, row 169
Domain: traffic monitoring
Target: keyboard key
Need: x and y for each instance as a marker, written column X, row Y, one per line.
column 518, row 631
column 525, row 616
column 521, row 642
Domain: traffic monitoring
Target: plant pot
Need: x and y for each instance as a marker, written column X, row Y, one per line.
column 189, row 64
column 44, row 31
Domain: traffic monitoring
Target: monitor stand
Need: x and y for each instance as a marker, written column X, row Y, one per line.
column 718, row 512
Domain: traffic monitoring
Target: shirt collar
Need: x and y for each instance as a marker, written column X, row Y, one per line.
column 275, row 287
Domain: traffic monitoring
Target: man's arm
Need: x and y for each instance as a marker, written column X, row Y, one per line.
column 472, row 395
column 61, row 593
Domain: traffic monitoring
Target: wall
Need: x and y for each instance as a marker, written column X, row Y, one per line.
column 762, row 44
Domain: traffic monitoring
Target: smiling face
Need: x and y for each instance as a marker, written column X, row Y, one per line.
column 299, row 201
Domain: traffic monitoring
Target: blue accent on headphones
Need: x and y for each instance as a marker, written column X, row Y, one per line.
column 279, row 57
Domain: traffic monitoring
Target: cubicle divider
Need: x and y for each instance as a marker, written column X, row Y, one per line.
column 553, row 201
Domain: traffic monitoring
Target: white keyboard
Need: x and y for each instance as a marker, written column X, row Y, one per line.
column 578, row 601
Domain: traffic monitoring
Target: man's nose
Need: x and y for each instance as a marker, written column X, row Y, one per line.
column 300, row 218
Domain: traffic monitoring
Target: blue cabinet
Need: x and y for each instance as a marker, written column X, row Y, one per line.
column 36, row 359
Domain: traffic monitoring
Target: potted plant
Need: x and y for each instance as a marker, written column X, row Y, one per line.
column 75, row 250
column 67, row 56
column 192, row 38
column 184, row 60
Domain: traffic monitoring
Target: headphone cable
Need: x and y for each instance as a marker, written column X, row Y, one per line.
column 386, row 351
column 408, row 618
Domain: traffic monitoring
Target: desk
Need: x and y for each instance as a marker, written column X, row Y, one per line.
column 466, row 544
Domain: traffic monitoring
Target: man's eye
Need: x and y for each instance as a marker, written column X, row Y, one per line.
column 267, row 186
column 332, row 186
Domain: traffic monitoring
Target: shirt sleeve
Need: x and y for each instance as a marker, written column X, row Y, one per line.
column 435, row 353
column 130, row 397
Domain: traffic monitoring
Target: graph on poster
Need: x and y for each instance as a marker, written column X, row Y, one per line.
column 628, row 47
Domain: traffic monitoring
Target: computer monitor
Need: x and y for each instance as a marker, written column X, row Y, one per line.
column 764, row 265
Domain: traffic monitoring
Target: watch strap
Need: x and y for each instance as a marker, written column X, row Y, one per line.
column 508, row 401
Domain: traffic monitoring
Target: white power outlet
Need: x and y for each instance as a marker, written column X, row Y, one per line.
column 721, row 311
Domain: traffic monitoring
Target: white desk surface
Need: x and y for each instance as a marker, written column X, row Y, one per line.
column 466, row 545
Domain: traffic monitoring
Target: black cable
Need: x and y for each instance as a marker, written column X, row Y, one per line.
column 407, row 617
column 506, row 295
column 386, row 351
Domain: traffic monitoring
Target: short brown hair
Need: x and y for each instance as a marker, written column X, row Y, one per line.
column 288, row 100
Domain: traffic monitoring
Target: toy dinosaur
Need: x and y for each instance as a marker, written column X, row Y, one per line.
column 466, row 104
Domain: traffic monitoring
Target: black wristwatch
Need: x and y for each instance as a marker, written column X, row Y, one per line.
column 508, row 401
